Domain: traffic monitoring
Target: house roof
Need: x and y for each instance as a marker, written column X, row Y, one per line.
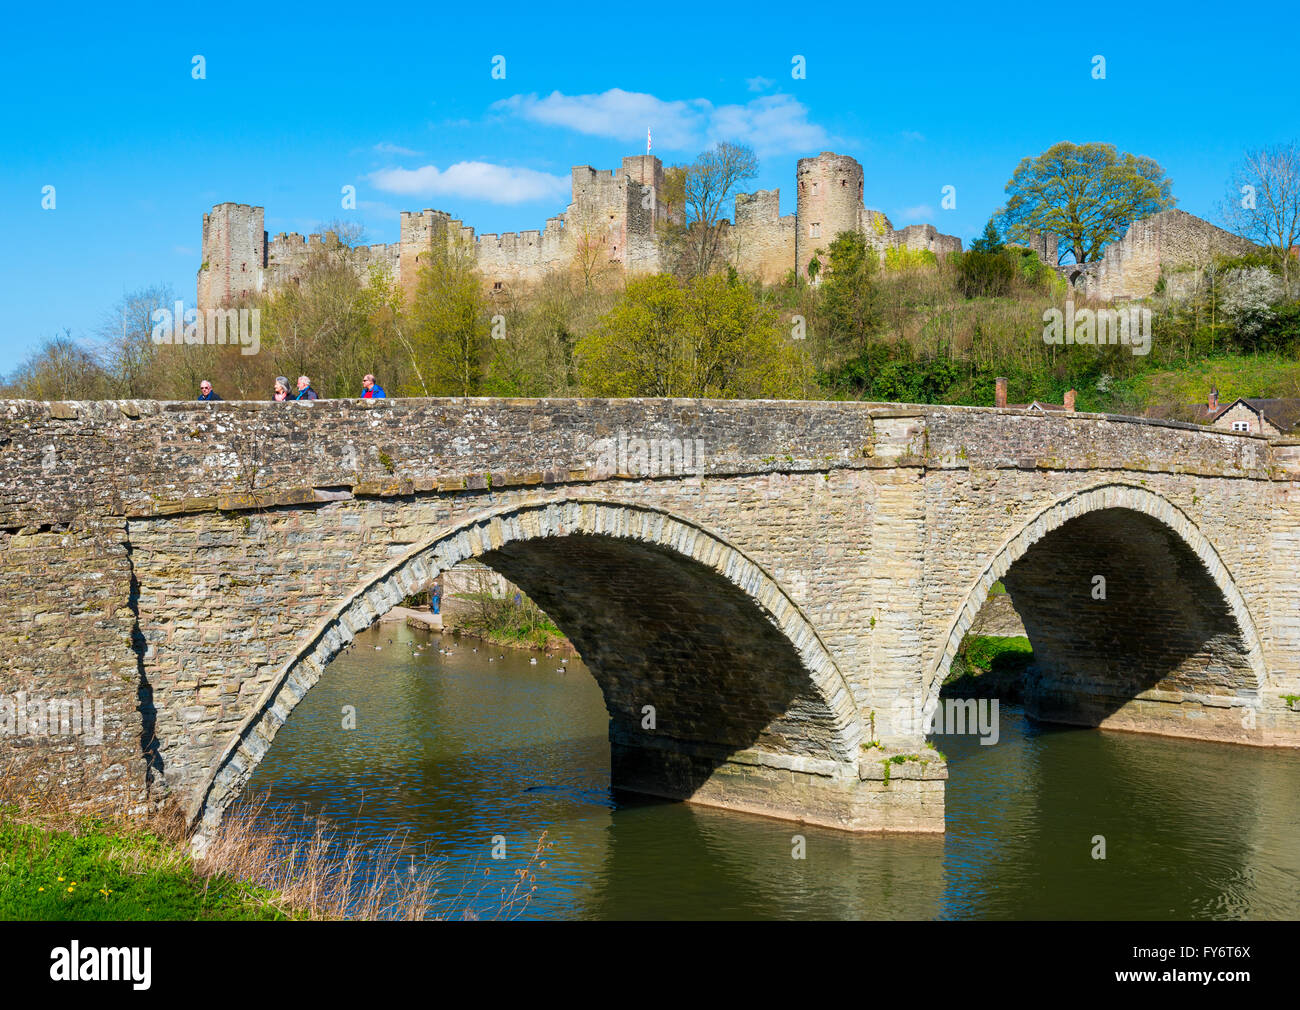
column 1193, row 413
column 1281, row 412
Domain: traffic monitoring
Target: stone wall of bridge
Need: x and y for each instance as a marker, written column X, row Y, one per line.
column 198, row 564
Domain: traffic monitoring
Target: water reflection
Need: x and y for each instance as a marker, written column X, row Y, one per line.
column 459, row 749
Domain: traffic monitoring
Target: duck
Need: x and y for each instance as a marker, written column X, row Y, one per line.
column 533, row 661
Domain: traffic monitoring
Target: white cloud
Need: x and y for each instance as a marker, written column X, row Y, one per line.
column 759, row 83
column 617, row 114
column 921, row 212
column 773, row 124
column 473, row 180
column 384, row 147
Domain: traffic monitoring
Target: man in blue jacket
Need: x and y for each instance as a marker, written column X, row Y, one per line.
column 370, row 391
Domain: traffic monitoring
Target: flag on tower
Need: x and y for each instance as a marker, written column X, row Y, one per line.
column 647, row 140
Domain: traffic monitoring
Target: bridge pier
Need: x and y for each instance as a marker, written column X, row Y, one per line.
column 874, row 794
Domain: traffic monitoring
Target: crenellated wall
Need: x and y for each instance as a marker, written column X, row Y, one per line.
column 615, row 222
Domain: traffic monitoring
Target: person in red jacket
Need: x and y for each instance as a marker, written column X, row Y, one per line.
column 370, row 391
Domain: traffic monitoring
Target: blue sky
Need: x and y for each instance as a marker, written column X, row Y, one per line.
column 401, row 103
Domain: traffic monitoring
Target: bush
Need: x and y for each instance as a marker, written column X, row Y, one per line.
column 986, row 274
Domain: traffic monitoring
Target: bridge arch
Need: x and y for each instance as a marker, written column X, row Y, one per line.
column 1219, row 638
column 785, row 699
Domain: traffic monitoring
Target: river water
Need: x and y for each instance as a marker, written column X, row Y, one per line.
column 457, row 750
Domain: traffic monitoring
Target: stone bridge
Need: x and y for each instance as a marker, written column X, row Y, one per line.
column 783, row 583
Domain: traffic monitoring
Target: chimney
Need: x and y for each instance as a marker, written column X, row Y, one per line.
column 1069, row 401
column 1000, row 397
column 1213, row 405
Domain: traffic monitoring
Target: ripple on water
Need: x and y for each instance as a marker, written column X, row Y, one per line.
column 456, row 750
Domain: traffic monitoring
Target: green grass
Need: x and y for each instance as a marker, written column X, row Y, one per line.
column 1263, row 375
column 98, row 873
column 989, row 666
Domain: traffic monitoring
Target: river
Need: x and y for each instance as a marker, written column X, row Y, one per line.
column 456, row 750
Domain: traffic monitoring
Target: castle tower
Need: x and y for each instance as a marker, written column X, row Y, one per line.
column 419, row 231
column 234, row 255
column 829, row 202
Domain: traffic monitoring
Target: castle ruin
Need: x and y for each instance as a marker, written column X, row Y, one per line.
column 616, row 220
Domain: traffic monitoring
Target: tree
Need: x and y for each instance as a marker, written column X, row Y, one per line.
column 990, row 241
column 850, row 299
column 1263, row 202
column 709, row 337
column 61, row 369
column 450, row 327
column 708, row 183
column 1087, row 194
column 127, row 348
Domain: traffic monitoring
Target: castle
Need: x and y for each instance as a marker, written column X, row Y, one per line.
column 615, row 220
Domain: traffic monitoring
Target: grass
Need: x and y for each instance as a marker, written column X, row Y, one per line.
column 94, row 871
column 58, row 865
column 989, row 666
column 1264, row 375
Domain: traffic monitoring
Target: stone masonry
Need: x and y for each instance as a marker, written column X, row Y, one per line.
column 1164, row 245
column 194, row 567
column 615, row 221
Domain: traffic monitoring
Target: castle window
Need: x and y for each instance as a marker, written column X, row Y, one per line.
column 843, row 183
column 815, row 188
column 815, row 230
column 496, row 285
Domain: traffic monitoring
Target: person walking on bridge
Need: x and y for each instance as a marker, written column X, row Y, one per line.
column 305, row 392
column 370, row 390
column 206, row 393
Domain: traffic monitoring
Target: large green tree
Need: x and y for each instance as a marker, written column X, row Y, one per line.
column 710, row 337
column 450, row 325
column 1087, row 194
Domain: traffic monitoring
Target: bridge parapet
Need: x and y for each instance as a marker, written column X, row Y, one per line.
column 64, row 461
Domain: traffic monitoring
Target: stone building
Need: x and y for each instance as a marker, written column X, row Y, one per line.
column 1272, row 417
column 615, row 221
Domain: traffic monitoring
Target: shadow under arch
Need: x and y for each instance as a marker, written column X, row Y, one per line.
column 662, row 611
column 1173, row 625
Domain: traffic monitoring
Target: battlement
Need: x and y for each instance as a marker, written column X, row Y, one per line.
column 761, row 206
column 614, row 221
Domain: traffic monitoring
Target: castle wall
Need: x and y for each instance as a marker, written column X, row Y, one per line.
column 1164, row 242
column 762, row 242
column 613, row 222
column 925, row 238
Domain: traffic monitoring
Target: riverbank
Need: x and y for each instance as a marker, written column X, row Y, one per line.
column 990, row 666
column 57, row 865
column 93, row 870
column 503, row 623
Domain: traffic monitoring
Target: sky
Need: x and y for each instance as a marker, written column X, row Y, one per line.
column 402, row 103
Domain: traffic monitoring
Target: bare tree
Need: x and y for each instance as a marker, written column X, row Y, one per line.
column 1263, row 201
column 61, row 369
column 710, row 181
column 126, row 340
